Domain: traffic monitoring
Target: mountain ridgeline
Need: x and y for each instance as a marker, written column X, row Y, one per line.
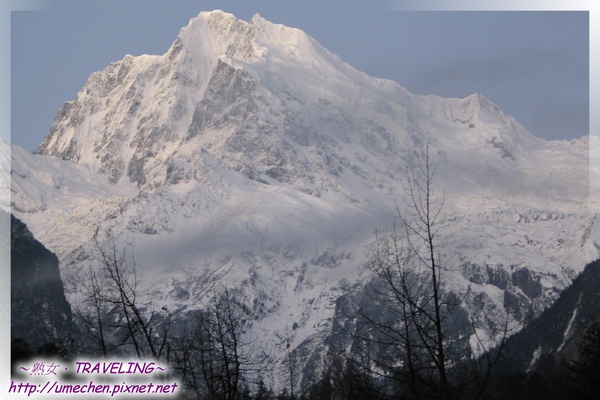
column 250, row 160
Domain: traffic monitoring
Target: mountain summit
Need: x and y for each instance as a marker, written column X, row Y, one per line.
column 264, row 97
column 131, row 118
column 250, row 156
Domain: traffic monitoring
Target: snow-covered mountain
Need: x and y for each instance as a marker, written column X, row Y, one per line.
column 251, row 156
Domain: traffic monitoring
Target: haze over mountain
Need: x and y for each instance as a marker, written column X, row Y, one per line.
column 250, row 156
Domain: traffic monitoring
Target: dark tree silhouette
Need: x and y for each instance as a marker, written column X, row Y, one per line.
column 112, row 289
column 584, row 372
column 215, row 360
column 404, row 324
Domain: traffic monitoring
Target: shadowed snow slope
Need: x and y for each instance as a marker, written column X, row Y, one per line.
column 251, row 156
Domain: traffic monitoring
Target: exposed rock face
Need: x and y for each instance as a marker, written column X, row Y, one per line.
column 40, row 312
column 555, row 333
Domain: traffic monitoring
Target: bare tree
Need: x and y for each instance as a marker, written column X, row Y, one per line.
column 292, row 369
column 187, row 363
column 407, row 318
column 92, row 313
column 112, row 313
column 148, row 334
column 216, row 361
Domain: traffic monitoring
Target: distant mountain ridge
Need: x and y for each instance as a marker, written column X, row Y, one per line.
column 251, row 156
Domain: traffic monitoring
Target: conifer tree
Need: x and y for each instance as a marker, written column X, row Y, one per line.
column 585, row 371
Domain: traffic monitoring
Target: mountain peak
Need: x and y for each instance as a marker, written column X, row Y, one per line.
column 276, row 33
column 141, row 107
column 216, row 33
column 236, row 89
column 216, row 14
column 258, row 19
column 220, row 34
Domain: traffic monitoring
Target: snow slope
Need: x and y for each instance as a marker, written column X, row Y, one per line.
column 250, row 156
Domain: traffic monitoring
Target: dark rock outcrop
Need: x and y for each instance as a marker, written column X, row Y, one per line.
column 40, row 313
